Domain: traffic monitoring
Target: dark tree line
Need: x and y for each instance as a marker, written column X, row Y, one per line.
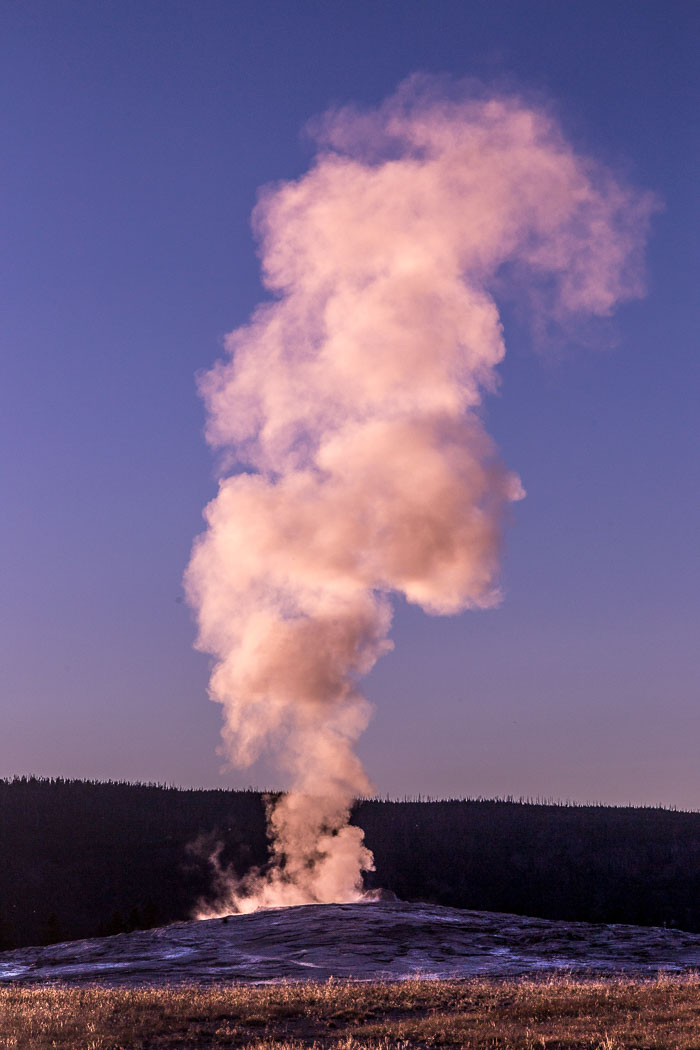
column 81, row 859
column 584, row 863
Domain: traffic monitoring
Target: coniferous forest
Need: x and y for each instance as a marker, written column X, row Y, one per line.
column 80, row 859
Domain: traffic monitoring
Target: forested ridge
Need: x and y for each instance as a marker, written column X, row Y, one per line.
column 82, row 858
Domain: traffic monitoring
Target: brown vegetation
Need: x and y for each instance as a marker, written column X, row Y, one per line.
column 552, row 1014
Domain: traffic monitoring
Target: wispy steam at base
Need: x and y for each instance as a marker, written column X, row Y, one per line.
column 350, row 402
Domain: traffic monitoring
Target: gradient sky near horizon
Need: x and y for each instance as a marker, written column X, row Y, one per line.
column 136, row 136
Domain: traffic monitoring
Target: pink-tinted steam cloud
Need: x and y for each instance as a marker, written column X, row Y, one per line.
column 350, row 401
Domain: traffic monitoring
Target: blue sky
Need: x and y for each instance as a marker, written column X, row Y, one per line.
column 136, row 138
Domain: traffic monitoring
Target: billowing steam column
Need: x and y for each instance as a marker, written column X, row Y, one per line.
column 350, row 403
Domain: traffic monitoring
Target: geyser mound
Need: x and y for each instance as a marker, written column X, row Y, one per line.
column 355, row 941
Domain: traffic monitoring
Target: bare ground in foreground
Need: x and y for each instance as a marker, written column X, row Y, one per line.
column 557, row 1013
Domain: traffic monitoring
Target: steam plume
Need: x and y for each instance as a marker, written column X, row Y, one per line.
column 350, row 402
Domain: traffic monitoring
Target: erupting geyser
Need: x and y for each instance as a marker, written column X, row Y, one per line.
column 350, row 401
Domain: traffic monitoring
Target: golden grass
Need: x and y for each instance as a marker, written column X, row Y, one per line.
column 558, row 1013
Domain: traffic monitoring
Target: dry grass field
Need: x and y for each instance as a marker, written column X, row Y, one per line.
column 557, row 1014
